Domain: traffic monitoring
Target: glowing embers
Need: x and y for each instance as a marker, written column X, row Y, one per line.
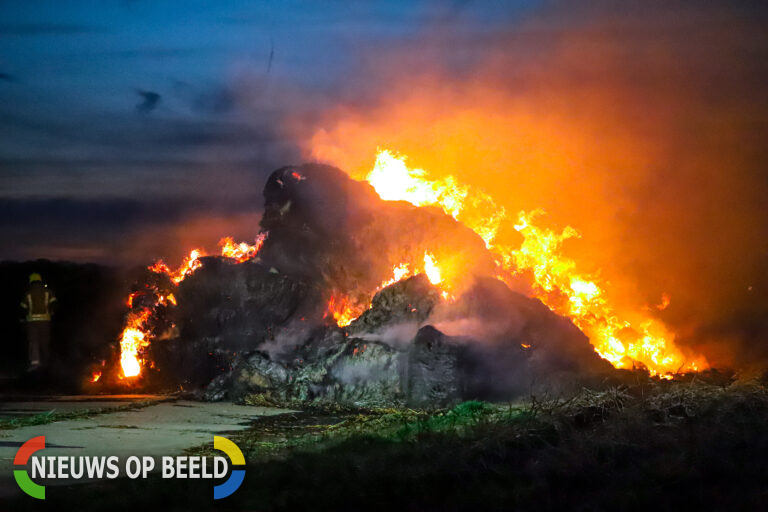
column 344, row 311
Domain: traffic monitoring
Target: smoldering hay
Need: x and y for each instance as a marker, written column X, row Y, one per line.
column 431, row 337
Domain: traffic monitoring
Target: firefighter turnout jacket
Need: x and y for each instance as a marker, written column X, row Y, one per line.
column 37, row 303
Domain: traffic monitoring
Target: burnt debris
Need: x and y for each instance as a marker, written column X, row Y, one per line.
column 261, row 327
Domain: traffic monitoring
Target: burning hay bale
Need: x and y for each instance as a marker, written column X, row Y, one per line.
column 329, row 229
column 349, row 298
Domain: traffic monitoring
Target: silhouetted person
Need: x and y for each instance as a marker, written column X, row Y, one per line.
column 37, row 303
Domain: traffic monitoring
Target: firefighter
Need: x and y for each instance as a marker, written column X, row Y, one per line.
column 37, row 304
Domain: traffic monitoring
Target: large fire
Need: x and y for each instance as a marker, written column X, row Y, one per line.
column 625, row 338
column 137, row 333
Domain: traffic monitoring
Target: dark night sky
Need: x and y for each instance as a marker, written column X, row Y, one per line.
column 123, row 118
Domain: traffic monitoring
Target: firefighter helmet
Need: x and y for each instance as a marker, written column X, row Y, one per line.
column 35, row 277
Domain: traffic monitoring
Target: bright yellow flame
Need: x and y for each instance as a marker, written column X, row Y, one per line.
column 241, row 251
column 617, row 339
column 134, row 339
column 398, row 272
column 557, row 282
column 394, row 181
column 431, row 269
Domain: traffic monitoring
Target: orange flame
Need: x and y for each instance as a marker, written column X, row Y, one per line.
column 134, row 340
column 131, row 298
column 188, row 266
column 343, row 310
column 95, row 377
column 241, row 251
column 137, row 334
column 625, row 338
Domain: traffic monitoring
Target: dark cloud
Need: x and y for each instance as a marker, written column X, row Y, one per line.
column 150, row 101
column 131, row 138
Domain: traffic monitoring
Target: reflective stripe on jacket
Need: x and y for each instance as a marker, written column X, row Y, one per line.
column 37, row 303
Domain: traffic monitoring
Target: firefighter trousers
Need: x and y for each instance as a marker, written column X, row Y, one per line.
column 39, row 339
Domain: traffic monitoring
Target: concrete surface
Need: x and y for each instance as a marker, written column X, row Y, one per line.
column 15, row 406
column 166, row 428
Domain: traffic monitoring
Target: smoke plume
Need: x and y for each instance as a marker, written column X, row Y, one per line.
column 641, row 124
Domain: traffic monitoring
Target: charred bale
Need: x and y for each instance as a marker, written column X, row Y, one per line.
column 408, row 301
column 238, row 306
column 368, row 373
column 255, row 373
column 347, row 371
column 508, row 325
column 433, row 376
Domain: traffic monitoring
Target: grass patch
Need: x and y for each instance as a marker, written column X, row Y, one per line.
column 320, row 428
column 669, row 446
